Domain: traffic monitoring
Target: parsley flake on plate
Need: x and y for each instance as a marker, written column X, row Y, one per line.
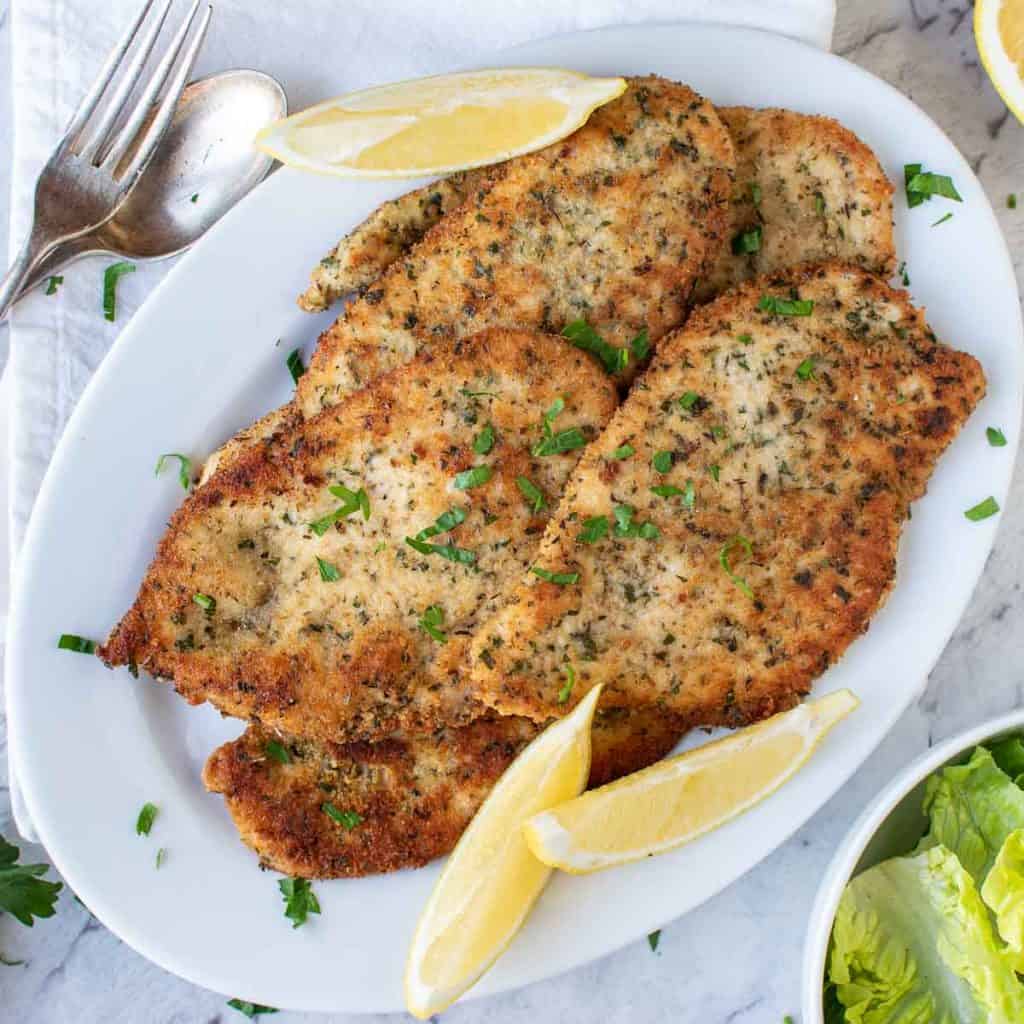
column 295, row 365
column 921, row 185
column 78, row 644
column 184, row 468
column 996, row 438
column 110, row 279
column 653, row 939
column 299, row 900
column 250, row 1009
column 532, row 493
column 563, row 579
column 943, row 219
column 23, row 893
column 145, row 820
column 431, row 621
column 983, row 510
column 52, row 283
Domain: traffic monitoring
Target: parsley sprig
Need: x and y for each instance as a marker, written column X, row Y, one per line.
column 23, row 893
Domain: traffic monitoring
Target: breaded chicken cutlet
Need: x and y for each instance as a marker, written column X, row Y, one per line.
column 328, row 585
column 775, row 445
column 325, row 810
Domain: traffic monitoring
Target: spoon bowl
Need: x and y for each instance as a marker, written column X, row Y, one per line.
column 204, row 165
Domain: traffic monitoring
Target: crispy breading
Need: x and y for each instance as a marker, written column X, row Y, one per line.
column 316, row 656
column 362, row 255
column 807, row 189
column 613, row 223
column 414, row 797
column 795, row 445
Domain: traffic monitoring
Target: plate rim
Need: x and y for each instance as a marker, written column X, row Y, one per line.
column 206, row 975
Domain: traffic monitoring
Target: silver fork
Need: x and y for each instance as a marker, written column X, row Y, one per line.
column 109, row 140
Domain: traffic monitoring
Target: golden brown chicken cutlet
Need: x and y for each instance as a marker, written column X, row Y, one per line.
column 736, row 525
column 326, row 810
column 613, row 225
column 327, row 585
column 807, row 189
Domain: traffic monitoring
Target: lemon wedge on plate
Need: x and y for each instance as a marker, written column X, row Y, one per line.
column 491, row 880
column 678, row 799
column 999, row 33
column 438, row 125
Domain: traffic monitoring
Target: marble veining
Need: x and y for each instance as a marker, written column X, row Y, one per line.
column 736, row 960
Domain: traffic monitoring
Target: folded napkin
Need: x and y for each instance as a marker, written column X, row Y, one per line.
column 57, row 341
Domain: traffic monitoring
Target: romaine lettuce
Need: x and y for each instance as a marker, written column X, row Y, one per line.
column 1009, row 755
column 973, row 808
column 913, row 944
column 1003, row 893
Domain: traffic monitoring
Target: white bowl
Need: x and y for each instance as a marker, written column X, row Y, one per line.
column 890, row 826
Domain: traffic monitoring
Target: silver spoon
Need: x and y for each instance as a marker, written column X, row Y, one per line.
column 205, row 163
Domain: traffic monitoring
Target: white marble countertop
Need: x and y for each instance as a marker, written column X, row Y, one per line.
column 737, row 958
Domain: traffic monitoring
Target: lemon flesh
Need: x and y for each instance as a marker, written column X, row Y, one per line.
column 683, row 797
column 491, row 880
column 999, row 33
column 438, row 125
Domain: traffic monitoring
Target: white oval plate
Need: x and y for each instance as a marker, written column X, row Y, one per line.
column 199, row 360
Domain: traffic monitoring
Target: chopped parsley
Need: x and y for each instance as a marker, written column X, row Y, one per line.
column 184, row 468
column 110, row 279
column 623, row 452
column 207, row 603
column 640, row 346
column 570, row 681
column 942, row 219
column 478, row 394
column 445, row 522
column 348, row 820
column 745, row 339
column 145, row 820
column 662, row 461
column 737, row 541
column 431, row 621
column 755, row 193
column 667, row 490
column 250, row 1009
column 996, row 437
column 653, row 939
column 819, row 204
column 626, row 527
column 23, row 893
column 531, row 492
column 78, row 644
column 195, row 197
column 484, row 441
column 1011, row 202
column 594, row 529
column 299, row 900
column 277, row 751
column 52, row 283
column 328, row 571
column 475, row 477
column 922, row 185
column 714, row 471
column 688, row 400
column 747, row 241
column 563, row 441
column 785, row 307
column 584, row 337
column 903, row 275
column 805, row 371
column 354, row 501
column 295, row 365
column 563, row 579
column 161, row 856
column 983, row 510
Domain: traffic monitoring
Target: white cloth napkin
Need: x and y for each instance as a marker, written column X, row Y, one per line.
column 315, row 49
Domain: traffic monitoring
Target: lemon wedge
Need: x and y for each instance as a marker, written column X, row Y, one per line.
column 438, row 125
column 678, row 799
column 491, row 880
column 999, row 33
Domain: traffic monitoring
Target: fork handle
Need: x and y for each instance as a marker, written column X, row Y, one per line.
column 31, row 254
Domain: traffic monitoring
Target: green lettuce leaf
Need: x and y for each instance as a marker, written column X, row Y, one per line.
column 913, row 944
column 1003, row 893
column 1009, row 755
column 973, row 808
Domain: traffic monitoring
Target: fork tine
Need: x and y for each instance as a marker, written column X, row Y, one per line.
column 124, row 138
column 113, row 61
column 111, row 109
column 165, row 112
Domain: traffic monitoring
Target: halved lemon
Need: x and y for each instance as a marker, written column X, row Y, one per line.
column 438, row 125
column 678, row 799
column 491, row 879
column 999, row 33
